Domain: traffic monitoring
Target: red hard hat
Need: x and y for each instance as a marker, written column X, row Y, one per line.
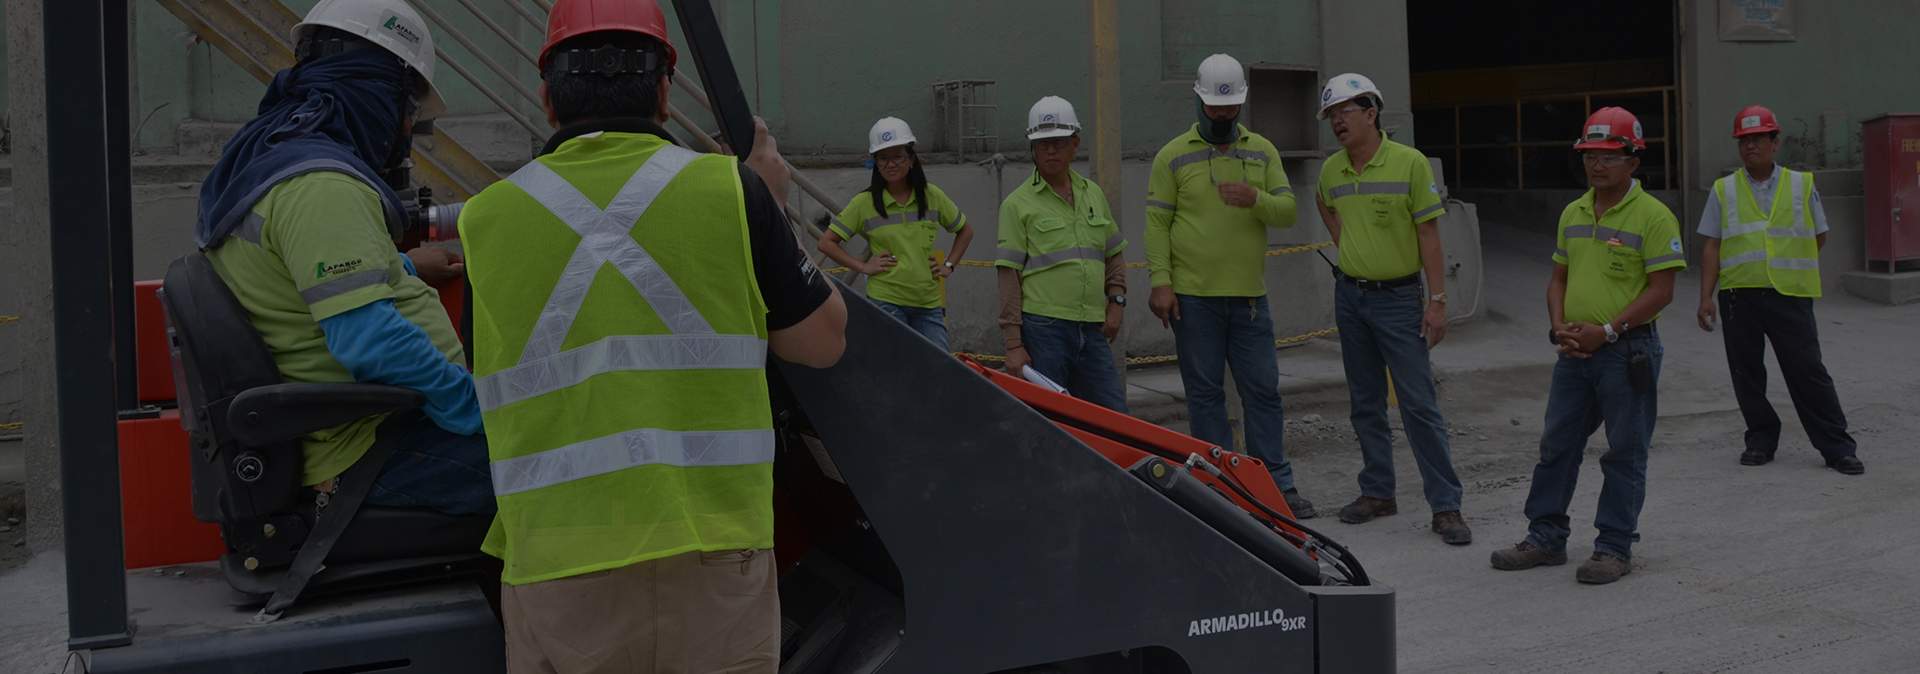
column 1612, row 129
column 1754, row 119
column 573, row 18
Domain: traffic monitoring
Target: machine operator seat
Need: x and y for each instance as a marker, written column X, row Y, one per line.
column 245, row 426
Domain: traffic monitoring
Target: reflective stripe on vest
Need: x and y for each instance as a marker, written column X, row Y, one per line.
column 1782, row 237
column 606, row 238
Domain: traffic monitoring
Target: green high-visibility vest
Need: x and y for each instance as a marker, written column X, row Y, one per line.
column 1773, row 248
column 619, row 349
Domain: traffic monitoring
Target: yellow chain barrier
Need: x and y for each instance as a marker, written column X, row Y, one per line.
column 12, row 426
column 1277, row 252
column 9, row 318
column 1158, row 360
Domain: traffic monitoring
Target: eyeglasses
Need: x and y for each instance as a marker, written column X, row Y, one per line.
column 1348, row 109
column 1604, row 160
column 901, row 158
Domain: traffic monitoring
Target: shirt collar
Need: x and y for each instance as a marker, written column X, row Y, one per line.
column 1771, row 177
column 616, row 124
column 1036, row 184
column 1379, row 158
column 1585, row 204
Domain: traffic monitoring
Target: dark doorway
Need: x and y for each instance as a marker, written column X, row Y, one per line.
column 1501, row 87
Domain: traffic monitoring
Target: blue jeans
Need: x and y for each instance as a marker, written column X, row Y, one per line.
column 930, row 323
column 1075, row 355
column 1380, row 331
column 1212, row 334
column 432, row 468
column 1586, row 392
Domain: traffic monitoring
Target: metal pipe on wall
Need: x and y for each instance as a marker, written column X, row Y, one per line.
column 505, row 35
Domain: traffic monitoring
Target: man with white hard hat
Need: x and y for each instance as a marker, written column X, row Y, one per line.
column 1380, row 203
column 1214, row 192
column 1059, row 248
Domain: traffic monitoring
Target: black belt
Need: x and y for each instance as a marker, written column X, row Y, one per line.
column 1389, row 284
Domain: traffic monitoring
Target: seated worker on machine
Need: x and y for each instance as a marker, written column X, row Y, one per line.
column 298, row 221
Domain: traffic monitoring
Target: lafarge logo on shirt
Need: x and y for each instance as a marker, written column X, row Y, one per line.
column 1244, row 621
column 324, row 269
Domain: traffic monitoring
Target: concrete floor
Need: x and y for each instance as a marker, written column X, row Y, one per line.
column 1787, row 567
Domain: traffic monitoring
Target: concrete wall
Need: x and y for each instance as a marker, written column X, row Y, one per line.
column 1851, row 61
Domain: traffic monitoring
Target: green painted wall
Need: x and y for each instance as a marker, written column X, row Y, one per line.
column 1852, row 61
column 843, row 65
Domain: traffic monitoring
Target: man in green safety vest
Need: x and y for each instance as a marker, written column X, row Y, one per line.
column 626, row 292
column 1763, row 229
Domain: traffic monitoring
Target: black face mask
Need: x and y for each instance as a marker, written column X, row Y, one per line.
column 1217, row 132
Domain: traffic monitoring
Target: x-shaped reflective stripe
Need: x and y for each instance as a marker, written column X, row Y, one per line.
column 606, row 238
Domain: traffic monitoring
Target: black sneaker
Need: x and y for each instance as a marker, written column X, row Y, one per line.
column 1847, row 465
column 1526, row 555
column 1754, row 457
column 1602, row 568
column 1301, row 507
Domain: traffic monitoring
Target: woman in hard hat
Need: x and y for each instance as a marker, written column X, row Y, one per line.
column 900, row 214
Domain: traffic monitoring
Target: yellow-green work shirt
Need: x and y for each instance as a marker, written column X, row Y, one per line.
column 1379, row 209
column 1608, row 261
column 1198, row 244
column 316, row 246
column 1060, row 249
column 909, row 237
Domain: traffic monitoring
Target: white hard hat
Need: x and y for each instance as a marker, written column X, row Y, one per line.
column 1346, row 87
column 888, row 132
column 1051, row 117
column 1221, row 81
column 391, row 24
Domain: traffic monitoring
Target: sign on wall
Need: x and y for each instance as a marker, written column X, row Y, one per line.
column 1756, row 20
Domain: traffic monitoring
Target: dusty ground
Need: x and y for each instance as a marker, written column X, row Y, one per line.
column 1784, row 568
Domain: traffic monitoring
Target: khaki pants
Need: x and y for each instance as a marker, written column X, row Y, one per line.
column 696, row 613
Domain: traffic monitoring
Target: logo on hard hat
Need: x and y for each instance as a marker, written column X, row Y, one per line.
column 1601, row 130
column 1326, row 95
column 1355, row 84
column 401, row 29
column 886, row 136
column 1749, row 121
column 1225, row 88
column 1637, row 133
column 1048, row 117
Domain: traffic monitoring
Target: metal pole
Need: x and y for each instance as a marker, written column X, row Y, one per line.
column 534, row 20
column 499, row 30
column 77, row 142
column 114, row 42
column 812, row 190
column 1106, row 133
column 498, row 70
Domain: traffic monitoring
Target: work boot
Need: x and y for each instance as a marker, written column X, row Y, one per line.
column 1847, row 465
column 1526, row 555
column 1452, row 528
column 1754, row 457
column 1365, row 508
column 1602, row 568
column 1301, row 507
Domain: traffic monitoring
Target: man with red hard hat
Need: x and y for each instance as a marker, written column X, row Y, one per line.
column 1616, row 256
column 1763, row 229
column 626, row 293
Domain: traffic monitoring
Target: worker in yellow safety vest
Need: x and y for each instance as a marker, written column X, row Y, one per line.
column 1763, row 229
column 626, row 292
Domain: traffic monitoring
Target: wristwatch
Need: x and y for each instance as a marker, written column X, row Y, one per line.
column 1611, row 335
column 1118, row 299
column 1439, row 297
column 948, row 264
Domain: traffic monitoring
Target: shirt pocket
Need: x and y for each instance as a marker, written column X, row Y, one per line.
column 1623, row 261
column 1051, row 233
column 1386, row 210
